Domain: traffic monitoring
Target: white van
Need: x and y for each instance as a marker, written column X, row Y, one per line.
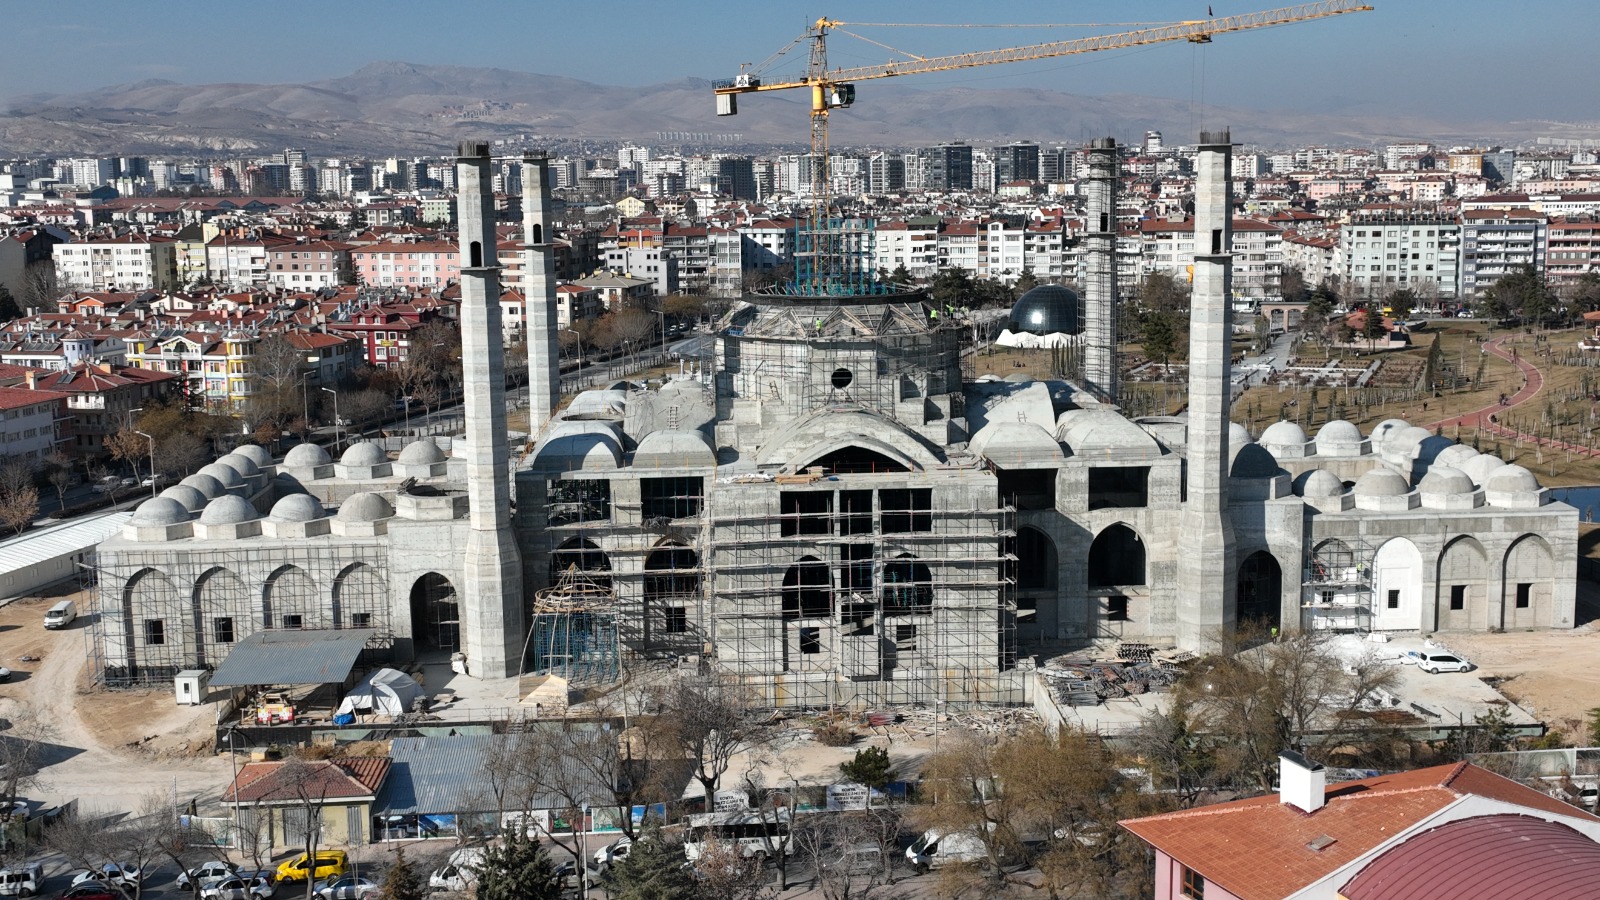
column 459, row 873
column 61, row 615
column 22, row 881
column 938, row 848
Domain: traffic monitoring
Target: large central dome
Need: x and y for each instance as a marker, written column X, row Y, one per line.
column 1048, row 309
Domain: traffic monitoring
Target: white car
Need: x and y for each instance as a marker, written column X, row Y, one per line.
column 606, row 857
column 199, row 875
column 234, row 887
column 347, row 887
column 112, row 874
column 1433, row 662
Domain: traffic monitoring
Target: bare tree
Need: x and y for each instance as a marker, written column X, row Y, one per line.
column 43, row 287
column 95, row 840
column 709, row 718
column 19, row 499
column 128, row 446
column 279, row 367
column 723, row 872
column 852, row 853
column 58, row 469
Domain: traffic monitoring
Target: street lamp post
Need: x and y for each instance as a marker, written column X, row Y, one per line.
column 233, row 756
column 337, row 427
column 152, row 443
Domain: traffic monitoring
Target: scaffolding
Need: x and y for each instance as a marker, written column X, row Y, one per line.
column 867, row 592
column 834, row 258
column 574, row 631
column 167, row 607
column 1336, row 586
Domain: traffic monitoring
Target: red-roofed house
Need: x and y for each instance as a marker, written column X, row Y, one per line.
column 100, row 398
column 309, row 265
column 32, row 423
column 343, row 790
column 1354, row 839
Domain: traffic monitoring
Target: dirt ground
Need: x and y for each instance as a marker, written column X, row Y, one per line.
column 111, row 749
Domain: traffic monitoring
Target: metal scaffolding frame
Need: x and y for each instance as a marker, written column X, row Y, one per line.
column 164, row 608
column 1336, row 585
column 573, row 632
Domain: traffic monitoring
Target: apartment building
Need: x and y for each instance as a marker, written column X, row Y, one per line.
column 409, row 264
column 128, row 262
column 309, row 265
column 1385, row 249
column 33, row 423
column 1573, row 250
column 1497, row 243
column 1169, row 247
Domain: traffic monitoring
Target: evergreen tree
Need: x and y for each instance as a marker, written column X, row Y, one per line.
column 402, row 881
column 900, row 275
column 517, row 869
column 8, row 305
column 870, row 767
column 652, row 870
column 1025, row 282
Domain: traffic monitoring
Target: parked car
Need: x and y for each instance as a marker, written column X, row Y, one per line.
column 22, row 880
column 234, row 887
column 90, row 890
column 1433, row 662
column 349, row 887
column 110, row 873
column 606, row 857
column 329, row 864
column 265, row 878
column 459, row 873
column 154, row 481
column 199, row 875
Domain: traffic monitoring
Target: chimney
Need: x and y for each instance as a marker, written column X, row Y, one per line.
column 33, row 379
column 1302, row 783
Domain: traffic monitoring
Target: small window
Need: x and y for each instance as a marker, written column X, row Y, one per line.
column 361, row 620
column 678, row 620
column 294, row 621
column 1117, row 608
column 155, row 632
column 222, row 630
column 811, row 640
column 1458, row 596
column 1394, row 599
column 1524, row 594
column 1194, row 884
column 842, row 378
column 905, row 638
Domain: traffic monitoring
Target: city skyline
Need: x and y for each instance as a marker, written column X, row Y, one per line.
column 1348, row 65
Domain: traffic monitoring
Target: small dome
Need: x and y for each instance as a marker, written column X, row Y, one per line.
column 1238, row 436
column 1384, row 430
column 1318, row 484
column 1454, row 456
column 1339, row 431
column 189, row 496
column 1253, row 461
column 1382, row 482
column 365, row 508
column 1445, row 480
column 229, row 510
column 304, row 456
column 365, row 454
column 1283, row 433
column 421, row 453
column 1512, row 479
column 1407, row 439
column 1479, row 468
column 226, row 476
column 1048, row 309
column 240, row 463
column 255, row 453
column 159, row 511
column 297, row 508
column 206, row 485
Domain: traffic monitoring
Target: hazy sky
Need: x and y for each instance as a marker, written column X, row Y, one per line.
column 1462, row 59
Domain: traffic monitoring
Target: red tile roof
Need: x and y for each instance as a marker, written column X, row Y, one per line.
column 335, row 779
column 1484, row 858
column 1260, row 848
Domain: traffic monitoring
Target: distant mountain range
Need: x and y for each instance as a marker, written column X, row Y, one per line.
column 402, row 108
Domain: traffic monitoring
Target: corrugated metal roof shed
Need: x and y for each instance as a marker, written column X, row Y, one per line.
column 44, row 544
column 446, row 774
column 293, row 657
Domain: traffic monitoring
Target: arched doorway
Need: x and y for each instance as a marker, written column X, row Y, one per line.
column 1260, row 591
column 808, row 590
column 1529, row 581
column 1397, row 587
column 360, row 598
column 435, row 613
column 584, row 555
column 1031, row 564
column 291, row 600
column 223, row 614
column 907, row 587
column 671, row 591
column 1116, row 558
column 1462, row 598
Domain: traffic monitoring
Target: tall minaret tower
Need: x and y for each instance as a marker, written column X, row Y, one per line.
column 539, row 290
column 491, row 607
column 1207, row 569
column 1100, row 271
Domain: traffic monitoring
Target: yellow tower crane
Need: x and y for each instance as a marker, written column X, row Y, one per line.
column 837, row 90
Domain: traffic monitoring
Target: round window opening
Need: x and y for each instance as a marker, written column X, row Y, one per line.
column 842, row 378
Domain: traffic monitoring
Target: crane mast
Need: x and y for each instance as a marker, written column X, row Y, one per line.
column 836, row 90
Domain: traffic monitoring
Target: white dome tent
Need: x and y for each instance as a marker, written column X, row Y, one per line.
column 387, row 691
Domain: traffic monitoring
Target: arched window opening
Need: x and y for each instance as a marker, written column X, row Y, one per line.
column 584, row 555
column 907, row 587
column 1116, row 558
column 808, row 590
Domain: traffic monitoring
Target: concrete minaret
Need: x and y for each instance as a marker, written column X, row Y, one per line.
column 1206, row 566
column 491, row 607
column 1100, row 271
column 539, row 289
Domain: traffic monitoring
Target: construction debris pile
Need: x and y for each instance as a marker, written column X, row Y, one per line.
column 1134, row 669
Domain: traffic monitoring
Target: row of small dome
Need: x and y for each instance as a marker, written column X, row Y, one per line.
column 1501, row 478
column 364, row 455
column 231, row 509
